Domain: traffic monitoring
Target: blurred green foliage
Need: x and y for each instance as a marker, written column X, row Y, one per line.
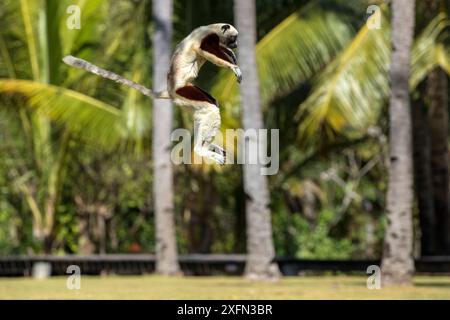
column 327, row 199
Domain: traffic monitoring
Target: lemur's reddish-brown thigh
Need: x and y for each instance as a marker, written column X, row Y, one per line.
column 195, row 93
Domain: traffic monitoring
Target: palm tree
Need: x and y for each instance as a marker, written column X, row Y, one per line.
column 348, row 70
column 48, row 154
column 260, row 248
column 398, row 263
column 34, row 74
column 338, row 64
column 166, row 248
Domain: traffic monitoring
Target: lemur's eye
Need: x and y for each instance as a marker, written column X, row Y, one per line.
column 225, row 28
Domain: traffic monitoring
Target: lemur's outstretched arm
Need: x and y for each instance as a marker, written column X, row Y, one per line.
column 83, row 64
column 211, row 49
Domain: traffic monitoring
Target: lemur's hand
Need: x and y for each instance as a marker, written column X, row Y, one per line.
column 237, row 71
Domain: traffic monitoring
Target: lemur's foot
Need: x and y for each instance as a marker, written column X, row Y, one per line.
column 217, row 157
column 220, row 159
column 217, row 149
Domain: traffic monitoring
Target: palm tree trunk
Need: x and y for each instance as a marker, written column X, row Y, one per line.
column 260, row 247
column 166, row 249
column 398, row 264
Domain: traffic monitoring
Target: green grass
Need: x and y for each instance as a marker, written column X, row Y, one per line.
column 158, row 287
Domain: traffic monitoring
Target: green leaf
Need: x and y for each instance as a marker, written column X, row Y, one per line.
column 351, row 88
column 291, row 53
column 33, row 53
column 91, row 15
column 92, row 119
column 349, row 93
column 428, row 52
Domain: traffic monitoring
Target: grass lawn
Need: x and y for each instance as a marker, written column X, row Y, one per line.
column 158, row 287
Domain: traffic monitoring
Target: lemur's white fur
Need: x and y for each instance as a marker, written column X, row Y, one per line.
column 207, row 43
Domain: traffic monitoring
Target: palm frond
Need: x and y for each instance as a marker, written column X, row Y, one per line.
column 428, row 52
column 136, row 115
column 350, row 89
column 92, row 119
column 348, row 95
column 91, row 14
column 31, row 40
column 6, row 59
column 443, row 57
column 291, row 53
column 15, row 54
column 52, row 12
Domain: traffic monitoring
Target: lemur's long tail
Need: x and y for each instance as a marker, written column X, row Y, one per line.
column 83, row 64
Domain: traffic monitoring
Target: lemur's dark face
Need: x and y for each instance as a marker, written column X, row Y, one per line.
column 229, row 36
column 232, row 42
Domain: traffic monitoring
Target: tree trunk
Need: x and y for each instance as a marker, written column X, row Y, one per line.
column 422, row 177
column 438, row 121
column 85, row 244
column 260, row 248
column 166, row 249
column 398, row 264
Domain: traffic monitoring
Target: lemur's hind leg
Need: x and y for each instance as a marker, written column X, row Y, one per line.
column 218, row 149
column 206, row 121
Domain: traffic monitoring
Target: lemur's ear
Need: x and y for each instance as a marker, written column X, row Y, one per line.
column 225, row 28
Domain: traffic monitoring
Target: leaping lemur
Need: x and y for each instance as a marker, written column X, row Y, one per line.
column 207, row 43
